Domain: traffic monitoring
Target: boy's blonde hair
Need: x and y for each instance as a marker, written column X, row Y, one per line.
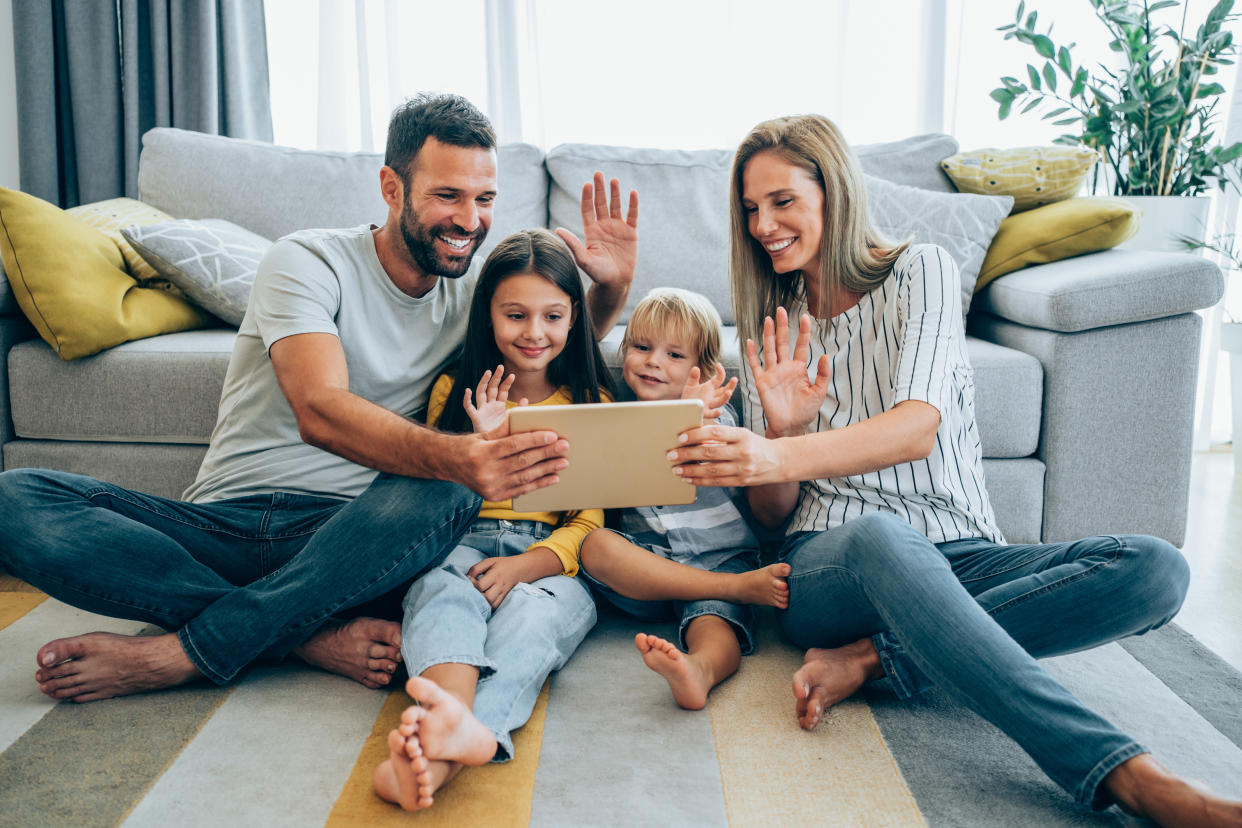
column 680, row 314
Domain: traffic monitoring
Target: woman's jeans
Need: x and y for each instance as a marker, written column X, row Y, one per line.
column 241, row 579
column 517, row 646
column 972, row 616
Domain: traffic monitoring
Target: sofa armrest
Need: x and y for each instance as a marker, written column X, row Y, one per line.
column 1113, row 287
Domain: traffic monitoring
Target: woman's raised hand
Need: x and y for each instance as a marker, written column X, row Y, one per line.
column 492, row 396
column 790, row 400
column 714, row 391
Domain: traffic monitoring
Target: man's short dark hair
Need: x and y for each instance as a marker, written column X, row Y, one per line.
column 450, row 119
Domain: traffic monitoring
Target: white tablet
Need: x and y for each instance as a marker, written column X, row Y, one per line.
column 617, row 454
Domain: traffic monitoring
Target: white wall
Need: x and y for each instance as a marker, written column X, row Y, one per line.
column 8, row 99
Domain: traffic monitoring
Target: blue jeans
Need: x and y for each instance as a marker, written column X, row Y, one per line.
column 517, row 646
column 972, row 616
column 241, row 579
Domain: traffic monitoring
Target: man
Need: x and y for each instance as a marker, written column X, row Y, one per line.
column 318, row 492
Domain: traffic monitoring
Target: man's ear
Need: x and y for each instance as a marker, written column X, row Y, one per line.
column 392, row 188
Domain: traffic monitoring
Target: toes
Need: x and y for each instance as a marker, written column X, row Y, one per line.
column 426, row 691
column 62, row 649
column 383, row 651
column 783, row 569
column 381, row 665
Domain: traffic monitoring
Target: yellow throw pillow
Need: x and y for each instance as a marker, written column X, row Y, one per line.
column 110, row 216
column 1058, row 231
column 71, row 283
column 1034, row 176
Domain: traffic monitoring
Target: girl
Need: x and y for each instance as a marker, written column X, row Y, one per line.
column 898, row 568
column 483, row 631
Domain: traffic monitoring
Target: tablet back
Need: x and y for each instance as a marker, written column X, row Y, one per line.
column 617, row 454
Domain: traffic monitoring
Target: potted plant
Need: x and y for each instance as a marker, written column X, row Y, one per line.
column 1151, row 119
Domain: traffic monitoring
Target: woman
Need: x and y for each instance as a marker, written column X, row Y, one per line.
column 875, row 469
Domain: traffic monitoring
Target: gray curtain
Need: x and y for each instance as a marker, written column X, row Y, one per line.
column 94, row 75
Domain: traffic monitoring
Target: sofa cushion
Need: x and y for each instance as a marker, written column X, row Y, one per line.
column 70, row 281
column 213, row 261
column 112, row 215
column 273, row 191
column 1034, row 176
column 161, row 390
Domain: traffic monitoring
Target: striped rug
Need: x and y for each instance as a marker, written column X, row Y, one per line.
column 288, row 745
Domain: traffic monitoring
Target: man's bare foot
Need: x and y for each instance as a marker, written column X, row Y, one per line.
column 766, row 586
column 447, row 730
column 684, row 675
column 403, row 777
column 366, row 650
column 830, row 676
column 102, row 665
column 1145, row 788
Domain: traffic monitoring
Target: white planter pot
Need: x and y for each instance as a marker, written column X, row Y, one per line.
column 1167, row 217
column 1231, row 343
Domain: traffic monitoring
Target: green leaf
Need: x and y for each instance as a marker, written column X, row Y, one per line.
column 1003, row 112
column 1031, row 104
column 1063, row 59
column 1050, row 76
column 1033, row 74
column 1043, row 45
column 1021, row 10
column 1065, row 122
column 1209, row 89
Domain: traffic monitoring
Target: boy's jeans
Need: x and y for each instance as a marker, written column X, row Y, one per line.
column 237, row 579
column 532, row 633
column 971, row 616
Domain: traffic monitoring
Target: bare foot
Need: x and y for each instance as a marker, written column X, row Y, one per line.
column 403, row 777
column 830, row 676
column 366, row 650
column 766, row 586
column 102, row 665
column 684, row 676
column 448, row 731
column 1145, row 788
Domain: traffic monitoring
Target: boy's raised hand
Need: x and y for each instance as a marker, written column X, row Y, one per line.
column 492, row 396
column 714, row 391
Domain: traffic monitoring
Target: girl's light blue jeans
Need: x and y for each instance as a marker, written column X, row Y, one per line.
column 972, row 616
column 517, row 646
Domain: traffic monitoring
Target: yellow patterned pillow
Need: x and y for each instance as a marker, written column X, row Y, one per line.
column 110, row 216
column 70, row 281
column 1034, row 176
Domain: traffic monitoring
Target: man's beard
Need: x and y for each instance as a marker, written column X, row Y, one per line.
column 421, row 242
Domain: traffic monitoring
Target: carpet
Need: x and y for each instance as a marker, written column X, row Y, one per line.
column 288, row 745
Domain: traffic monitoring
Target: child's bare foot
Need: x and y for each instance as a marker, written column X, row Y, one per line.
column 403, row 777
column 830, row 676
column 1145, row 788
column 101, row 665
column 448, row 731
column 766, row 586
column 685, row 677
column 366, row 650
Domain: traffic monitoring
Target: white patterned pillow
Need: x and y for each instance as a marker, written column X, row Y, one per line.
column 960, row 223
column 212, row 260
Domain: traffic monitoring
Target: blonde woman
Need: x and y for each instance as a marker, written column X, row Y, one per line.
column 875, row 470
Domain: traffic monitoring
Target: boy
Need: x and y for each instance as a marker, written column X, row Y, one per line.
column 695, row 562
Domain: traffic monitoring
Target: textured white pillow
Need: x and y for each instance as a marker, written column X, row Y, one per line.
column 214, row 261
column 962, row 224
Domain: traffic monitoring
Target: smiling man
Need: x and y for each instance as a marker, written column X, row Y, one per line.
column 319, row 491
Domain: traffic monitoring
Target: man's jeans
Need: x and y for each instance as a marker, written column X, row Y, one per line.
column 239, row 579
column 972, row 616
column 517, row 646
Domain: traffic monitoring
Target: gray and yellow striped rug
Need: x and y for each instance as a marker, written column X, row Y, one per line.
column 291, row 746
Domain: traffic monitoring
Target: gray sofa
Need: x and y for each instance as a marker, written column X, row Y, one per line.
column 1085, row 368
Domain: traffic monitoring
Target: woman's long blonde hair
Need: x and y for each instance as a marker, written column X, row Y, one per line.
column 852, row 252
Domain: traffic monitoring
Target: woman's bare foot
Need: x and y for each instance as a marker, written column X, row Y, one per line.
column 403, row 777
column 366, row 650
column 447, row 730
column 685, row 677
column 1145, row 788
column 831, row 676
column 766, row 586
column 103, row 665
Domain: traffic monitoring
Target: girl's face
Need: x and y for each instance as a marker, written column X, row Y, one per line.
column 785, row 212
column 531, row 320
column 657, row 367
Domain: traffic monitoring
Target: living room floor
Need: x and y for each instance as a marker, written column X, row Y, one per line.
column 1213, row 609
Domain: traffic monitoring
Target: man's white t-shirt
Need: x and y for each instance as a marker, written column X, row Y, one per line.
column 325, row 281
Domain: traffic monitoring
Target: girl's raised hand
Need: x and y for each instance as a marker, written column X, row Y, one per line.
column 790, row 400
column 714, row 391
column 492, row 396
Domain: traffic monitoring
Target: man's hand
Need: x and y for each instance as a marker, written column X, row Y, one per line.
column 501, row 466
column 714, row 391
column 611, row 250
column 790, row 400
column 492, row 395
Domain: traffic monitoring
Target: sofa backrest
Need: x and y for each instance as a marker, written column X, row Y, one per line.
column 273, row 190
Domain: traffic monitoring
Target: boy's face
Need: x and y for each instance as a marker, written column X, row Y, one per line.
column 657, row 367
